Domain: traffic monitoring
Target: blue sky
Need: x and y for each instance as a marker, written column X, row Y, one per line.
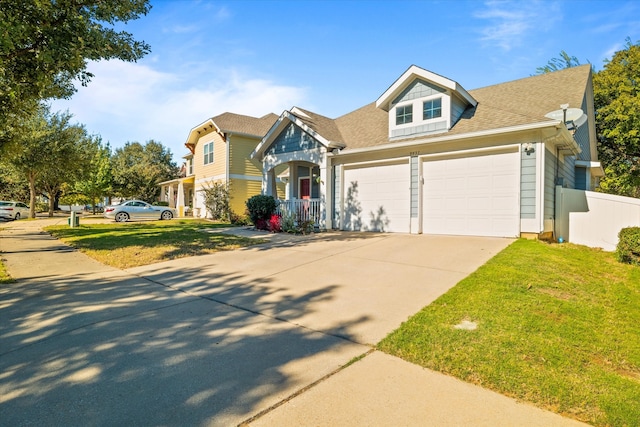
column 331, row 57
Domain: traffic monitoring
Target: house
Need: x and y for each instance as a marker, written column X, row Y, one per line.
column 429, row 156
column 220, row 149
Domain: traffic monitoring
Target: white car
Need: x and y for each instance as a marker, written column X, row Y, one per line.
column 13, row 210
column 137, row 209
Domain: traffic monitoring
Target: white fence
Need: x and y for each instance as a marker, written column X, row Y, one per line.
column 300, row 209
column 594, row 219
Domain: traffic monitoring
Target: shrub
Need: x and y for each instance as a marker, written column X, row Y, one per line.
column 216, row 200
column 274, row 224
column 628, row 249
column 261, row 208
column 237, row 219
column 160, row 203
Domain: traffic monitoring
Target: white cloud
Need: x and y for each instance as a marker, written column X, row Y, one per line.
column 133, row 102
column 510, row 22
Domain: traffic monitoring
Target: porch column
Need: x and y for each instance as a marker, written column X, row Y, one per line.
column 163, row 193
column 171, row 199
column 326, row 196
column 293, row 181
column 269, row 183
column 180, row 201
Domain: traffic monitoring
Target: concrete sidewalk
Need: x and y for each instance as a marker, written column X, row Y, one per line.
column 233, row 337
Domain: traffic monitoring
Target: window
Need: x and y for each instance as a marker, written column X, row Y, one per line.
column 190, row 166
column 404, row 114
column 432, row 109
column 208, row 153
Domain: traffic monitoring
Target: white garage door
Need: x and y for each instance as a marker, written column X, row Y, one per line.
column 376, row 198
column 472, row 196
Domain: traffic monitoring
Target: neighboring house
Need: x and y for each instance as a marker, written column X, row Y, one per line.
column 220, row 152
column 430, row 157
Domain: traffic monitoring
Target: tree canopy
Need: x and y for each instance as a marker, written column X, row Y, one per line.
column 49, row 151
column 45, row 46
column 564, row 61
column 617, row 103
column 138, row 168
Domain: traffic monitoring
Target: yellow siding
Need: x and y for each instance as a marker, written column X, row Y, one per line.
column 240, row 153
column 216, row 169
column 241, row 190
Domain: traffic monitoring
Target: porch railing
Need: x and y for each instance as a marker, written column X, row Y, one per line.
column 300, row 209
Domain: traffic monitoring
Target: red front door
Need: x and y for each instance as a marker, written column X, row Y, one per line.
column 305, row 188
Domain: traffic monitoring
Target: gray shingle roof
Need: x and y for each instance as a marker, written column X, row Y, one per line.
column 238, row 123
column 325, row 126
column 519, row 102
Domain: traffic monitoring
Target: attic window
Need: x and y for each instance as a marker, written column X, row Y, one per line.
column 404, row 114
column 432, row 109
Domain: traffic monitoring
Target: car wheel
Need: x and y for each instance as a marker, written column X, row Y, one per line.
column 166, row 215
column 17, row 216
column 122, row 217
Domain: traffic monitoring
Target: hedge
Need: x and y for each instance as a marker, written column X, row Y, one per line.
column 628, row 249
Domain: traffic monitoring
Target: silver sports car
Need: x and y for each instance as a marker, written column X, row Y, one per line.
column 137, row 209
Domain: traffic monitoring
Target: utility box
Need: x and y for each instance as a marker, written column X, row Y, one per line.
column 73, row 220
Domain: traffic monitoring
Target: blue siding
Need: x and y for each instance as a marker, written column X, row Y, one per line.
column 457, row 108
column 425, row 128
column 528, row 185
column 549, row 185
column 582, row 137
column 568, row 171
column 581, row 178
column 292, row 139
column 418, row 89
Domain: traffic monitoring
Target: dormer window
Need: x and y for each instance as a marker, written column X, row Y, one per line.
column 432, row 109
column 404, row 114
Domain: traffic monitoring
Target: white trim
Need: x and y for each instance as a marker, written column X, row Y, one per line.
column 365, row 164
column 413, row 72
column 471, row 151
column 446, row 138
column 279, row 126
column 210, row 178
column 245, row 177
column 595, row 167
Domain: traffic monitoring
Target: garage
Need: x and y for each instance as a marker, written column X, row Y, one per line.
column 376, row 197
column 472, row 196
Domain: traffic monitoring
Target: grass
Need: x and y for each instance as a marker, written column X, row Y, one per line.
column 4, row 276
column 133, row 244
column 558, row 326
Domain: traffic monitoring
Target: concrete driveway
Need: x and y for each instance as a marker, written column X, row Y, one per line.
column 220, row 339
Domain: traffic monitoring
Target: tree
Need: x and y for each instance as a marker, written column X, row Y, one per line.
column 555, row 64
column 47, row 152
column 13, row 186
column 137, row 169
column 98, row 178
column 617, row 104
column 45, row 46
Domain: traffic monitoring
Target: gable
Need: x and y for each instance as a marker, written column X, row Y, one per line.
column 418, row 89
column 292, row 139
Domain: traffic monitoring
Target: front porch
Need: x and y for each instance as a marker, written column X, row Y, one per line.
column 301, row 210
column 179, row 193
column 298, row 189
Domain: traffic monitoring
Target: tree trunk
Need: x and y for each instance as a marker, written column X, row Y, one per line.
column 32, row 195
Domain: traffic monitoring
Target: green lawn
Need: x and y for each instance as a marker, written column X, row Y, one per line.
column 125, row 245
column 4, row 276
column 557, row 326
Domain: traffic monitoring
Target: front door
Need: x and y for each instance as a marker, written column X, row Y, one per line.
column 305, row 188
